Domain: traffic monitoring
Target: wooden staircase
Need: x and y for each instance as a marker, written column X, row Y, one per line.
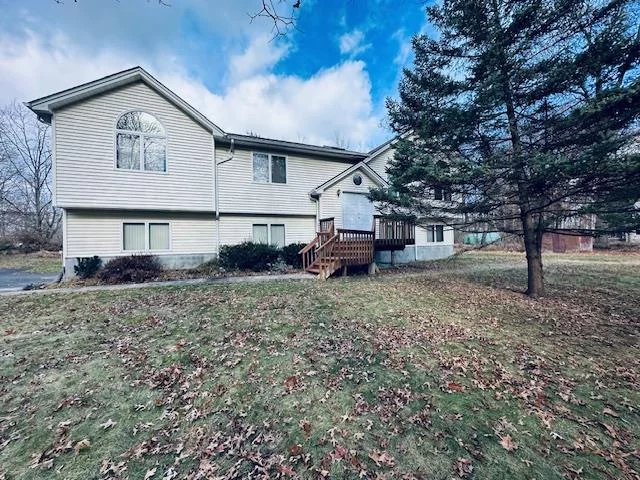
column 333, row 250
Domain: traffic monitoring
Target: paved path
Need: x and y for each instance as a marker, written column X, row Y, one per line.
column 15, row 279
column 172, row 283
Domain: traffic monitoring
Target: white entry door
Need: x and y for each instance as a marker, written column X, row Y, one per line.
column 357, row 211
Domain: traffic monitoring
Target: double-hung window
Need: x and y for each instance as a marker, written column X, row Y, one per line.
column 440, row 193
column 269, row 168
column 435, row 233
column 141, row 143
column 271, row 234
column 143, row 236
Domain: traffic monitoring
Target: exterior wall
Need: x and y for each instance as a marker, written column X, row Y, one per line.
column 422, row 250
column 238, row 228
column 379, row 163
column 84, row 151
column 239, row 194
column 331, row 202
column 99, row 232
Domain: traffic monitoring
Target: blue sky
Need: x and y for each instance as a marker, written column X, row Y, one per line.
column 324, row 82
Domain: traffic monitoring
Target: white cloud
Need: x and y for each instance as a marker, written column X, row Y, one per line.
column 352, row 43
column 335, row 100
column 262, row 53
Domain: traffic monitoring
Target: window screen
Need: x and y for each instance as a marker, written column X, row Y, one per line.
column 260, row 234
column 261, row 167
column 277, row 235
column 278, row 169
column 133, row 236
column 158, row 236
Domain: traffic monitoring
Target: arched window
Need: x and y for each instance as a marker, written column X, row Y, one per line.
column 141, row 143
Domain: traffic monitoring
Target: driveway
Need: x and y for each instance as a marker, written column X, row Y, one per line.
column 16, row 279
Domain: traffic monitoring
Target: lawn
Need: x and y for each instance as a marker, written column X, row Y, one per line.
column 442, row 372
column 39, row 262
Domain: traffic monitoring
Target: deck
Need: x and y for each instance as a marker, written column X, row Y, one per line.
column 334, row 249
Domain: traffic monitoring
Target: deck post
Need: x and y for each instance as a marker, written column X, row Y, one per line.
column 344, row 270
column 373, row 268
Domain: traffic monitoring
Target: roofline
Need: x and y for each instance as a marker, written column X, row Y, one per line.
column 45, row 106
column 295, row 147
column 332, row 181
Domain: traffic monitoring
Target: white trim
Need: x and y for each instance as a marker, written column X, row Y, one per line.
column 48, row 104
column 269, row 158
column 366, row 169
column 269, row 225
column 53, row 162
column 147, row 250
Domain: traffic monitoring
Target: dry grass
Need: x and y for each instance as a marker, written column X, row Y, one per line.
column 39, row 262
column 445, row 372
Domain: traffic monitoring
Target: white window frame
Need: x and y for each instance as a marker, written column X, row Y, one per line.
column 269, row 157
column 146, row 236
column 142, row 136
column 434, row 227
column 269, row 239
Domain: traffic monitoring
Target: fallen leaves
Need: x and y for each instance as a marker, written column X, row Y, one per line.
column 463, row 467
column 81, row 445
column 508, row 444
column 108, row 424
column 382, row 458
column 150, row 473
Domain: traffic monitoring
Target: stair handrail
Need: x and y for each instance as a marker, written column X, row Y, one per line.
column 308, row 253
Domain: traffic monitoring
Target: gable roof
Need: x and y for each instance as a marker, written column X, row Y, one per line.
column 45, row 106
column 358, row 166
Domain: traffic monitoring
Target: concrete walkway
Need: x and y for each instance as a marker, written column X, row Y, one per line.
column 170, row 283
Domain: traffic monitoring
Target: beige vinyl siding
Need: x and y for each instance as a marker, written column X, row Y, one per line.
column 239, row 228
column 99, row 232
column 84, row 145
column 239, row 194
column 379, row 163
column 331, row 203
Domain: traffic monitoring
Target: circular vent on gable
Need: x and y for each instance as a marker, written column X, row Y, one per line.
column 357, row 179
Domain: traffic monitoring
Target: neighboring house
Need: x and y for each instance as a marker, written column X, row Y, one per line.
column 138, row 170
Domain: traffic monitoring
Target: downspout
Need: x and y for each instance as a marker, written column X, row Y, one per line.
column 315, row 196
column 216, row 193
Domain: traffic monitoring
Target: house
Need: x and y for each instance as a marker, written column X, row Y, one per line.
column 139, row 170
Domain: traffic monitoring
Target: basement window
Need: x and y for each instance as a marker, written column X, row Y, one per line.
column 435, row 233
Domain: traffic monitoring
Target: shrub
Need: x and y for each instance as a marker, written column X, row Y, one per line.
column 210, row 268
column 290, row 254
column 248, row 256
column 135, row 268
column 87, row 267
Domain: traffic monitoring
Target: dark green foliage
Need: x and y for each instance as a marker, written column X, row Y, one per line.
column 527, row 111
column 290, row 254
column 87, row 267
column 134, row 268
column 248, row 256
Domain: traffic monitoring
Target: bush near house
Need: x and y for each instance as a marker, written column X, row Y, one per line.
column 248, row 256
column 290, row 254
column 87, row 267
column 134, row 268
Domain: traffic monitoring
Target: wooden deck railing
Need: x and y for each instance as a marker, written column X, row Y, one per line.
column 308, row 253
column 394, row 232
column 354, row 247
column 326, row 224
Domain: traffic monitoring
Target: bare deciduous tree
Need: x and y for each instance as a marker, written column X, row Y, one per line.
column 25, row 181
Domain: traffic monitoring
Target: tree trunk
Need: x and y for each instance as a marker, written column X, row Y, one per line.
column 533, row 249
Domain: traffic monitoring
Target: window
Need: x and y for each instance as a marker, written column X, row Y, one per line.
column 158, row 236
column 141, row 236
column 440, row 193
column 269, row 168
column 277, row 235
column 270, row 234
column 133, row 236
column 141, row 143
column 435, row 233
column 260, row 234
